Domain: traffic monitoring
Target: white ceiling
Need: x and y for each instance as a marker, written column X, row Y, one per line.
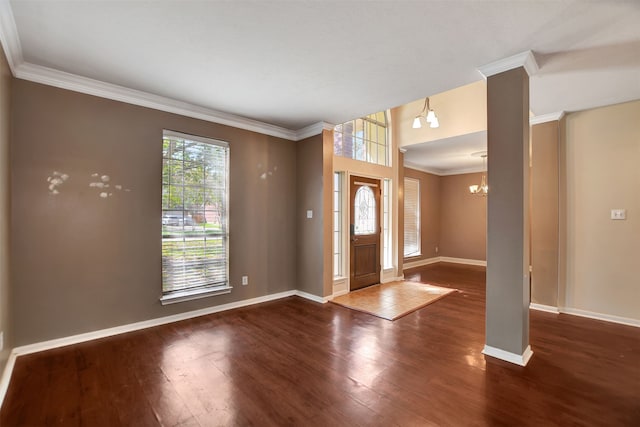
column 295, row 63
column 448, row 156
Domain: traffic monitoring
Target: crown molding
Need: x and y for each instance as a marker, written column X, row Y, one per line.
column 439, row 172
column 524, row 59
column 463, row 171
column 9, row 36
column 543, row 118
column 73, row 82
column 312, row 130
column 36, row 73
column 415, row 166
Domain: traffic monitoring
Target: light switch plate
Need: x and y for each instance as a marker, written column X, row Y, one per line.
column 618, row 214
column 309, row 213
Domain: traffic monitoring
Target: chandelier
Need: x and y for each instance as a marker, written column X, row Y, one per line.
column 429, row 116
column 483, row 188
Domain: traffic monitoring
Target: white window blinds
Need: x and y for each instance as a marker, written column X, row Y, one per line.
column 194, row 213
column 411, row 217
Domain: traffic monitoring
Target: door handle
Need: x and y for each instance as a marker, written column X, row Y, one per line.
column 354, row 239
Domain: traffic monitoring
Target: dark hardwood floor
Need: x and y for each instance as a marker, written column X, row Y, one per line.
column 295, row 362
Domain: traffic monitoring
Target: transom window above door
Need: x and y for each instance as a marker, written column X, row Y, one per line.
column 363, row 139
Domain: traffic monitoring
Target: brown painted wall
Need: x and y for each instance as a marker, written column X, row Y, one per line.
column 310, row 231
column 429, row 213
column 82, row 263
column 463, row 218
column 5, row 207
column 544, row 213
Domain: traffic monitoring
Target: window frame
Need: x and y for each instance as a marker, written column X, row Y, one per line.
column 363, row 141
column 200, row 291
column 418, row 251
column 387, row 246
column 338, row 213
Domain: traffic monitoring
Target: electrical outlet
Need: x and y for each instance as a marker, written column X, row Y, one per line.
column 436, row 249
column 618, row 214
column 245, row 280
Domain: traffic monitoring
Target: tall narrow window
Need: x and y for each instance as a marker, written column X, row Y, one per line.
column 337, row 225
column 411, row 217
column 386, row 224
column 194, row 216
column 363, row 139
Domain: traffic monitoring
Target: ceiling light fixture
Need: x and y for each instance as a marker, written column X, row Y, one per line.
column 429, row 116
column 483, row 188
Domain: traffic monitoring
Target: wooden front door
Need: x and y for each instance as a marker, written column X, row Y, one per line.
column 364, row 232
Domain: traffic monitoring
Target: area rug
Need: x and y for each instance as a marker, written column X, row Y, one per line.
column 392, row 300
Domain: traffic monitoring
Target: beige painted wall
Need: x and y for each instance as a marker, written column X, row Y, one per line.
column 545, row 213
column 460, row 111
column 603, row 154
column 5, row 208
column 82, row 263
column 327, row 211
column 463, row 218
column 429, row 213
column 400, row 216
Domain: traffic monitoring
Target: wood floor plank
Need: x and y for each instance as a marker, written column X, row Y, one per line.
column 296, row 362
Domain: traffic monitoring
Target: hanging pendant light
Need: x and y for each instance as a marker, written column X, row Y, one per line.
column 483, row 188
column 429, row 116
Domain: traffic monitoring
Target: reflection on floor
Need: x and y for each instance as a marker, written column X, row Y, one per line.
column 295, row 362
column 392, row 300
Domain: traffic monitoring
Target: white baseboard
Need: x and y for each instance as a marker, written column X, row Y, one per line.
column 338, row 293
column 542, row 307
column 518, row 359
column 340, row 287
column 392, row 279
column 589, row 314
column 6, row 376
column 311, row 297
column 464, row 261
column 420, row 263
column 601, row 316
column 103, row 333
column 423, row 262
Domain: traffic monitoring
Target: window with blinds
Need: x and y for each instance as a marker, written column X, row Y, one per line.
column 411, row 217
column 195, row 191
